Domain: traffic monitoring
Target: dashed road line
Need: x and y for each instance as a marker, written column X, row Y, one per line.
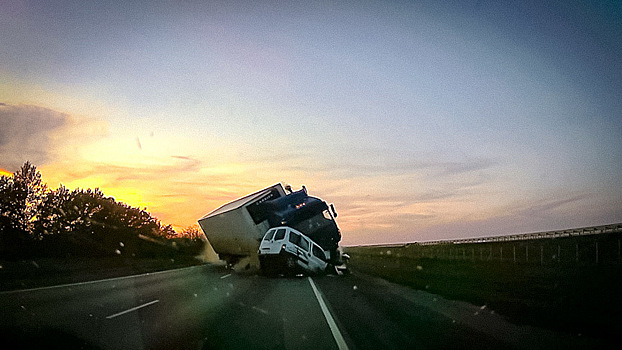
column 132, row 309
column 78, row 284
column 341, row 343
column 225, row 276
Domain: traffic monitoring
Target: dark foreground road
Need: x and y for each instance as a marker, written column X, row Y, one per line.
column 208, row 307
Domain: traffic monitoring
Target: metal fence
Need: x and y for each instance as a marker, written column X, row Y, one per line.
column 586, row 246
column 584, row 231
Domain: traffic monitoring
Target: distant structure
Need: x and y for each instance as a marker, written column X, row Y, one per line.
column 593, row 230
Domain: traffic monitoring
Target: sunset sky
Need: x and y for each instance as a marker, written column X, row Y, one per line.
column 419, row 120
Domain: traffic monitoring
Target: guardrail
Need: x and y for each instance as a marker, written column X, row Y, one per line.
column 586, row 246
column 584, row 231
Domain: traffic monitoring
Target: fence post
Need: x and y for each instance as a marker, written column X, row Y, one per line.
column 596, row 252
column 576, row 246
column 514, row 250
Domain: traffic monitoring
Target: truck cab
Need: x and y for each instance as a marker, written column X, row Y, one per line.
column 308, row 215
column 285, row 249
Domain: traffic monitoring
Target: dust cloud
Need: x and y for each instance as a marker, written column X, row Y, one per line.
column 208, row 254
column 246, row 264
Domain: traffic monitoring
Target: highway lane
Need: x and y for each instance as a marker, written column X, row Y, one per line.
column 206, row 307
column 198, row 307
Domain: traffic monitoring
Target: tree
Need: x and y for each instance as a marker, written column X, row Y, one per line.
column 52, row 215
column 192, row 232
column 190, row 241
column 21, row 195
column 37, row 220
column 6, row 214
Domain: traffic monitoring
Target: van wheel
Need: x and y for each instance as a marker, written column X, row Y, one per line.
column 290, row 262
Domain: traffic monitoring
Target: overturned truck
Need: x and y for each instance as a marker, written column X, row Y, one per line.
column 236, row 229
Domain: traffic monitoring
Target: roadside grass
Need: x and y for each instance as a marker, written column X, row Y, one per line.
column 579, row 299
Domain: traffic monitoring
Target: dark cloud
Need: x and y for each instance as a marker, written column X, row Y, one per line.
column 187, row 164
column 456, row 168
column 545, row 207
column 116, row 175
column 24, row 134
column 369, row 165
column 184, row 158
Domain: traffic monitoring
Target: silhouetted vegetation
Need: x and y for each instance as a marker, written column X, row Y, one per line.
column 36, row 221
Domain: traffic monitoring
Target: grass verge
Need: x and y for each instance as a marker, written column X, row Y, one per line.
column 577, row 299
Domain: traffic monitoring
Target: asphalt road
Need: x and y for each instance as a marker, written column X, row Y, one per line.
column 207, row 307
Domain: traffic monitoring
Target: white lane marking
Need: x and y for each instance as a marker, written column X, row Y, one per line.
column 341, row 343
column 95, row 281
column 132, row 309
column 225, row 276
column 260, row 310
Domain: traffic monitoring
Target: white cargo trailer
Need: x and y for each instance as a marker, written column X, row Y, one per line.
column 235, row 229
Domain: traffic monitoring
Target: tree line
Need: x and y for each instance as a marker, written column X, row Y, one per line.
column 36, row 221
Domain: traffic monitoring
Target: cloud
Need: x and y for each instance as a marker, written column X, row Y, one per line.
column 546, row 207
column 387, row 163
column 547, row 212
column 457, row 168
column 25, row 134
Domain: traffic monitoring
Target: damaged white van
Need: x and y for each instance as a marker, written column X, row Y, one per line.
column 286, row 250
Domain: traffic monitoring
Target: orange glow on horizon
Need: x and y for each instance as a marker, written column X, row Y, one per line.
column 5, row 173
column 171, row 194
